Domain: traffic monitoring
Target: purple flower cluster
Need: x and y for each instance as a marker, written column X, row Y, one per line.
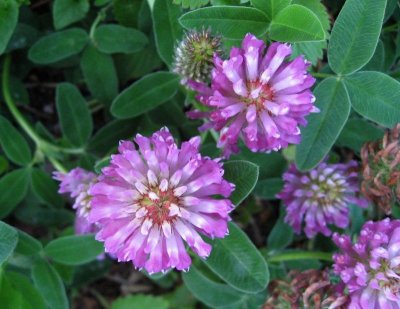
column 151, row 199
column 370, row 268
column 320, row 197
column 77, row 183
column 155, row 197
column 257, row 95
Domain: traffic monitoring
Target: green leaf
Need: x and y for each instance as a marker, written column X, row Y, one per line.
column 112, row 39
column 389, row 48
column 357, row 132
column 244, row 175
column 145, row 95
column 281, row 235
column 64, row 249
column 74, row 114
column 26, row 288
column 296, row 23
column 46, row 188
column 101, row 2
column 49, row 284
column 355, row 35
column 376, row 96
column 225, row 20
column 43, row 215
column 8, row 20
column 323, row 128
column 23, row 36
column 271, row 164
column 13, row 188
column 318, row 9
column 27, row 245
column 390, row 7
column 140, row 301
column 18, row 91
column 378, row 59
column 213, row 294
column 100, row 74
column 14, row 144
column 66, row 272
column 167, row 29
column 192, row 4
column 237, row 252
column 109, row 135
column 268, row 188
column 4, row 165
column 126, row 12
column 270, row 7
column 10, row 298
column 66, row 12
column 136, row 65
column 181, row 297
column 58, row 46
column 8, row 241
column 312, row 51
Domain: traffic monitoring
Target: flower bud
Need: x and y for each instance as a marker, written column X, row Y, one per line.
column 194, row 55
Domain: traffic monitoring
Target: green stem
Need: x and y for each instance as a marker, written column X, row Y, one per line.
column 58, row 166
column 100, row 298
column 101, row 15
column 301, row 255
column 214, row 134
column 321, row 75
column 12, row 107
column 390, row 28
column 98, row 19
column 41, row 144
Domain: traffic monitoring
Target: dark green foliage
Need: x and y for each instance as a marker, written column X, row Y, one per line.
column 79, row 76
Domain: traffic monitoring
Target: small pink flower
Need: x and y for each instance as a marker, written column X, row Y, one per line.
column 370, row 268
column 320, row 197
column 152, row 199
column 258, row 95
column 77, row 182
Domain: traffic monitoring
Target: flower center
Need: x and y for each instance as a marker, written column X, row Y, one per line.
column 326, row 190
column 389, row 282
column 202, row 50
column 258, row 94
column 158, row 203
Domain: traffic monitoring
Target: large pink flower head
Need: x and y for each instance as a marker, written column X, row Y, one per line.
column 371, row 267
column 258, row 95
column 152, row 198
column 320, row 197
column 77, row 182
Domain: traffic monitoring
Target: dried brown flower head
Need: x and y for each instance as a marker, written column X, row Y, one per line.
column 381, row 170
column 311, row 289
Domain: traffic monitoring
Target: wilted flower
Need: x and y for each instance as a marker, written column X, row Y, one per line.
column 381, row 170
column 311, row 289
column 320, row 197
column 259, row 95
column 149, row 200
column 194, row 55
column 371, row 267
column 77, row 182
